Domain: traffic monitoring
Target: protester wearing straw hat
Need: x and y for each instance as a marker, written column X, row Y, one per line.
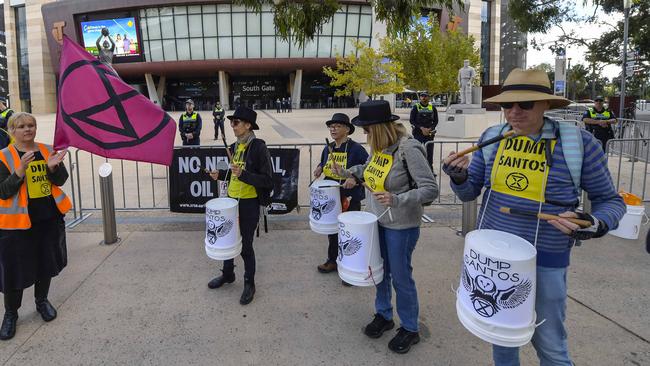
column 189, row 125
column 598, row 120
column 541, row 169
column 401, row 181
column 251, row 182
column 347, row 153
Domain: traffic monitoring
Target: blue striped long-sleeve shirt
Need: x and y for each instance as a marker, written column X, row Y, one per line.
column 553, row 247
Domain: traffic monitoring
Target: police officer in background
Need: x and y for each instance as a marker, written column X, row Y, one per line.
column 424, row 119
column 189, row 124
column 5, row 113
column 598, row 120
column 218, row 113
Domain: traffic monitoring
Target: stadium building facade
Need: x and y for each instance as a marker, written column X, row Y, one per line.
column 208, row 50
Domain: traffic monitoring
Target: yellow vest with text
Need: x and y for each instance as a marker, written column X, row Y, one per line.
column 13, row 211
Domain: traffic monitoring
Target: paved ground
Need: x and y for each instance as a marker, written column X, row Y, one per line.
column 145, row 300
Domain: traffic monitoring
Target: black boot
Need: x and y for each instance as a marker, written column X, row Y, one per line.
column 8, row 329
column 47, row 311
column 249, row 291
column 226, row 277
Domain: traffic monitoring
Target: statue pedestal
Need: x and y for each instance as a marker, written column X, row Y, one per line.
column 464, row 121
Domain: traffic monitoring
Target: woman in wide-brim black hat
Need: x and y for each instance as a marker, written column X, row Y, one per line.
column 401, row 181
column 250, row 182
column 347, row 153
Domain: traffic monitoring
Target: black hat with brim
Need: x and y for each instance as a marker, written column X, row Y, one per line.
column 341, row 118
column 246, row 114
column 373, row 112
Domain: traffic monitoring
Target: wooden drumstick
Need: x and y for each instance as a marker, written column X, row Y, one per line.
column 225, row 144
column 543, row 216
column 363, row 183
column 486, row 143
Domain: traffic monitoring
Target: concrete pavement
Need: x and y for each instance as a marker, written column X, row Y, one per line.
column 145, row 301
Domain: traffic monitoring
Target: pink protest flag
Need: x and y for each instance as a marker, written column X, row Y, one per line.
column 99, row 113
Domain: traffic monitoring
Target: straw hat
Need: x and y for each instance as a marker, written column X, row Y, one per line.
column 528, row 85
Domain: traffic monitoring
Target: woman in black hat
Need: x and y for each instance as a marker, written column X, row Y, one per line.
column 346, row 153
column 251, row 183
column 401, row 181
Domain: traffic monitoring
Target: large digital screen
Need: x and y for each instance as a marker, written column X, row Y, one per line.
column 122, row 31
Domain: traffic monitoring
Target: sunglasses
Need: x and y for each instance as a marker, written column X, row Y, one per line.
column 523, row 105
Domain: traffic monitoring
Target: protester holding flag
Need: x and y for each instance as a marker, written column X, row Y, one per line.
column 250, row 183
column 189, row 124
column 401, row 181
column 32, row 231
column 347, row 153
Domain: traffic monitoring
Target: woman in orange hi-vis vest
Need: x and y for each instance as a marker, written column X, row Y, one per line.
column 32, row 230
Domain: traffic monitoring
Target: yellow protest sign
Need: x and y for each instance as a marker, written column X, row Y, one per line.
column 520, row 168
column 38, row 185
column 341, row 158
column 377, row 170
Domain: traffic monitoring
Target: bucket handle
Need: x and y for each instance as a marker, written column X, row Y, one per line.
column 540, row 323
column 647, row 219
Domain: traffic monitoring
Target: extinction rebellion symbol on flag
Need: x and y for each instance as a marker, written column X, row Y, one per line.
column 99, row 113
column 115, row 101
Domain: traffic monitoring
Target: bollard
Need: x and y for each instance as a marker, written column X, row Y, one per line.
column 469, row 217
column 108, row 204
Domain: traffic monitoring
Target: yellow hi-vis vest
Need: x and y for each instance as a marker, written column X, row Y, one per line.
column 604, row 115
column 13, row 211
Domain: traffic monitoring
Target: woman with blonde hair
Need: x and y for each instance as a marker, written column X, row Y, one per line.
column 32, row 230
column 401, row 181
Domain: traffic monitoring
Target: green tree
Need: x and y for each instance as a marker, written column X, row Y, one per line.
column 547, row 68
column 432, row 58
column 300, row 21
column 371, row 72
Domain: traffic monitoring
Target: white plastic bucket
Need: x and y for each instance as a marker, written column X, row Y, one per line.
column 496, row 297
column 630, row 224
column 325, row 205
column 222, row 237
column 359, row 262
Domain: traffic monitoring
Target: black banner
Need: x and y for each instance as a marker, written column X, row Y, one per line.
column 190, row 187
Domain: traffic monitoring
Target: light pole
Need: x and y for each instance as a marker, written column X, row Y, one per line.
column 568, row 79
column 626, row 4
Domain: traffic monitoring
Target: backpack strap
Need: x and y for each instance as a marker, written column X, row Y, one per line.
column 492, row 132
column 573, row 149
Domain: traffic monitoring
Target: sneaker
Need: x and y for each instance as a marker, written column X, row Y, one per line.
column 327, row 267
column 378, row 326
column 346, row 284
column 403, row 341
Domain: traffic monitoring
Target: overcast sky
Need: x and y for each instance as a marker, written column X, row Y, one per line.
column 576, row 53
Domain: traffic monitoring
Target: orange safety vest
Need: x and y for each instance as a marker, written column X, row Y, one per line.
column 13, row 211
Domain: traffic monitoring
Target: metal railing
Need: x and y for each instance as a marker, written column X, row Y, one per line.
column 629, row 170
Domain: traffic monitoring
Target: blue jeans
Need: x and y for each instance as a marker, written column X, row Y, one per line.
column 396, row 249
column 550, row 338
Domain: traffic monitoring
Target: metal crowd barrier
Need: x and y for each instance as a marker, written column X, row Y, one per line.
column 630, row 170
column 144, row 186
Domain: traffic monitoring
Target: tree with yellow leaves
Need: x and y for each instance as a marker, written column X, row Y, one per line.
column 369, row 72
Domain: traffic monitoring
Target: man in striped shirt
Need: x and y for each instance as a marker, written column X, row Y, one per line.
column 535, row 171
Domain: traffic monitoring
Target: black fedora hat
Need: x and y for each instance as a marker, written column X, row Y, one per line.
column 246, row 114
column 343, row 119
column 373, row 112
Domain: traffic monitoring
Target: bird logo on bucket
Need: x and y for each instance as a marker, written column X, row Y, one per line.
column 349, row 247
column 215, row 231
column 487, row 299
column 318, row 209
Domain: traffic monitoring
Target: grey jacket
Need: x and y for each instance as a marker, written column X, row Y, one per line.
column 407, row 209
